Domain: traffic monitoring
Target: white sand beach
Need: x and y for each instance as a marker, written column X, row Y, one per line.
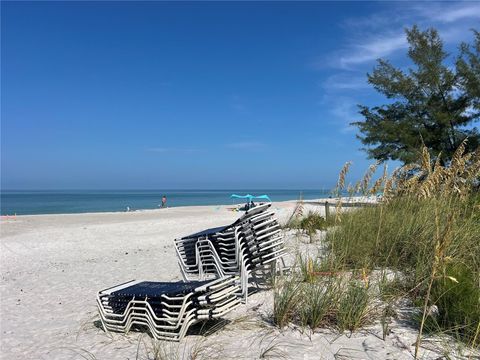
column 53, row 265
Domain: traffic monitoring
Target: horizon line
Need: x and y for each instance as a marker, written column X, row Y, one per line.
column 169, row 189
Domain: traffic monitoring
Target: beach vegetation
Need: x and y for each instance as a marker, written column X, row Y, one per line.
column 426, row 229
column 272, row 348
column 418, row 244
column 332, row 300
column 310, row 224
column 353, row 307
column 285, row 297
column 198, row 349
column 309, row 267
column 318, row 308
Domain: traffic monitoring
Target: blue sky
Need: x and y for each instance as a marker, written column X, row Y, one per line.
column 152, row 95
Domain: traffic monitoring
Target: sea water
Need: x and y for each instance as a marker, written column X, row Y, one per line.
column 65, row 202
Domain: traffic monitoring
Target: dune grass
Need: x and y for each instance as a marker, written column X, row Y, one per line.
column 434, row 243
column 331, row 301
column 318, row 308
column 353, row 307
column 310, row 223
column 285, row 298
column 426, row 230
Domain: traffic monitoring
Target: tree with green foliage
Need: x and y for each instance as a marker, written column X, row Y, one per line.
column 432, row 103
column 468, row 67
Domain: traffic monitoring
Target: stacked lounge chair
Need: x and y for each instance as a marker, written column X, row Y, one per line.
column 246, row 247
column 167, row 309
column 216, row 265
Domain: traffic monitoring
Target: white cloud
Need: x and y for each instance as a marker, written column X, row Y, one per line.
column 371, row 22
column 345, row 81
column 381, row 34
column 448, row 13
column 370, row 50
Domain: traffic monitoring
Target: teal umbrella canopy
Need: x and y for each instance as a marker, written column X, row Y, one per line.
column 264, row 197
column 250, row 197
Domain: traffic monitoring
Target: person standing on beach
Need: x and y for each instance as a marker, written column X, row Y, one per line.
column 164, row 201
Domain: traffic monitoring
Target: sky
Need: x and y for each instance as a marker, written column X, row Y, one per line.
column 194, row 95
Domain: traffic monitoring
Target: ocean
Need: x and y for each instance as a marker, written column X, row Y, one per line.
column 69, row 202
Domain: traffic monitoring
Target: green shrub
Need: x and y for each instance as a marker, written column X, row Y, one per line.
column 311, row 223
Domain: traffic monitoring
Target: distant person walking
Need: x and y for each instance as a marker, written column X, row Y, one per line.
column 164, row 201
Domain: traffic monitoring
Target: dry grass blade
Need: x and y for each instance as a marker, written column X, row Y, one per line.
column 204, row 350
column 380, row 181
column 390, row 184
column 350, row 190
column 272, row 349
column 441, row 243
column 367, row 177
column 426, row 162
column 297, row 211
column 341, row 178
column 429, row 180
column 377, row 185
column 457, row 159
column 432, row 184
column 339, row 188
column 83, row 353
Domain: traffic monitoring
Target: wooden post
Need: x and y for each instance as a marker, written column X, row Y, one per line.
column 327, row 210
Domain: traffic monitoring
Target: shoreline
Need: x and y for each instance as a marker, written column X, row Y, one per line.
column 358, row 200
column 137, row 211
column 77, row 201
